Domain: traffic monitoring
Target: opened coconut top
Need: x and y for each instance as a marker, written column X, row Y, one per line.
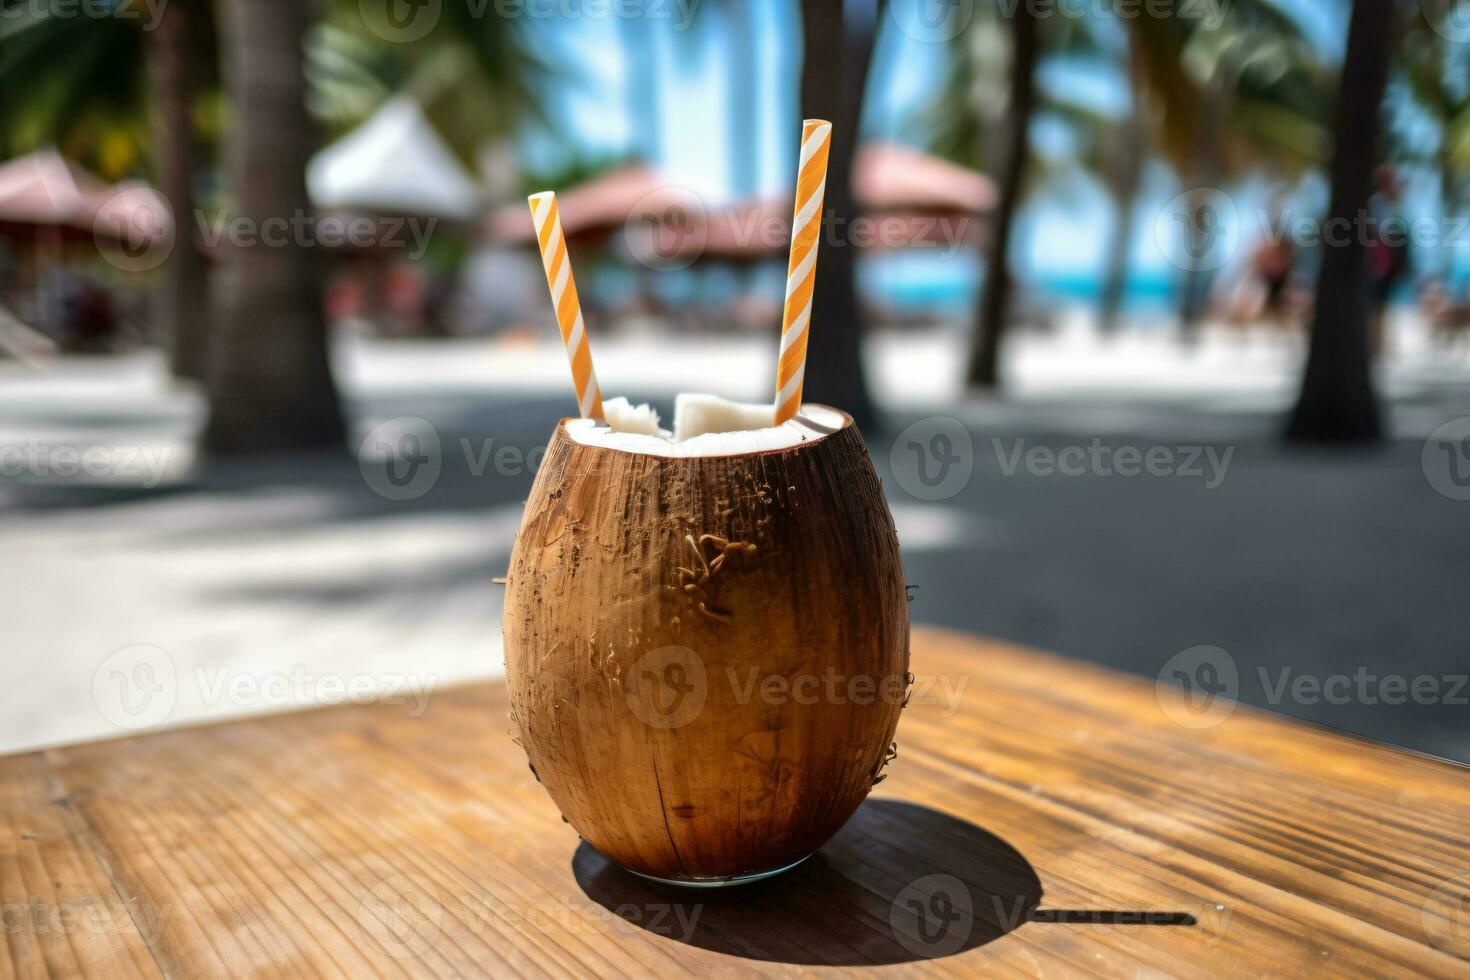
column 704, row 425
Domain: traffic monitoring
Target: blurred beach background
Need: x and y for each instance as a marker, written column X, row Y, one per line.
column 277, row 359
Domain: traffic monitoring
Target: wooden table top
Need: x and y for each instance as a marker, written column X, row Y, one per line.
column 1043, row 818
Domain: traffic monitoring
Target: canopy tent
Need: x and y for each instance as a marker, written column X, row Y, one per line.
column 43, row 193
column 595, row 207
column 891, row 177
column 904, row 185
column 394, row 163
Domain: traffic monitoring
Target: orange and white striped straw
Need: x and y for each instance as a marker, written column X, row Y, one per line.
column 564, row 297
column 801, row 271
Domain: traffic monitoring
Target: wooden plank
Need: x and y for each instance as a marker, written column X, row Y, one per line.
column 1045, row 818
column 60, row 914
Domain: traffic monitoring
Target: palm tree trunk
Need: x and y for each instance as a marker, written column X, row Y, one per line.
column 1195, row 296
column 177, row 72
column 270, row 384
column 995, row 300
column 1337, row 402
column 1126, row 171
column 834, row 73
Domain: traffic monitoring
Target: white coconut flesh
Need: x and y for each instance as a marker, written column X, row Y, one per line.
column 704, row 425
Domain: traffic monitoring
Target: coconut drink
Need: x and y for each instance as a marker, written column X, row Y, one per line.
column 707, row 636
column 706, row 629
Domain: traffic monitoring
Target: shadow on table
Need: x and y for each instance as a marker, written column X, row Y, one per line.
column 899, row 883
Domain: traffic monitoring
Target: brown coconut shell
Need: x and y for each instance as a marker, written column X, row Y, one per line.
column 707, row 656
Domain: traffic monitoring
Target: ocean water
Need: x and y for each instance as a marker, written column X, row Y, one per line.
column 917, row 283
column 949, row 285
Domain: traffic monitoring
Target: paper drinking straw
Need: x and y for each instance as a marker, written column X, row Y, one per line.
column 801, row 272
column 564, row 297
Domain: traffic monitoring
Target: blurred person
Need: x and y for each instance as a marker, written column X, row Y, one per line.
column 1388, row 250
column 1272, row 264
column 90, row 317
column 1448, row 316
column 1263, row 292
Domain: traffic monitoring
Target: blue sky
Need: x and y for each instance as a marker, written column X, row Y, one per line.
column 1062, row 234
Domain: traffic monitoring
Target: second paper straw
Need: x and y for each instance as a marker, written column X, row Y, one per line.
column 801, row 271
column 558, row 268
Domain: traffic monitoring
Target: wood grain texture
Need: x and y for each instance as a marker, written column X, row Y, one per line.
column 1049, row 821
column 707, row 655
